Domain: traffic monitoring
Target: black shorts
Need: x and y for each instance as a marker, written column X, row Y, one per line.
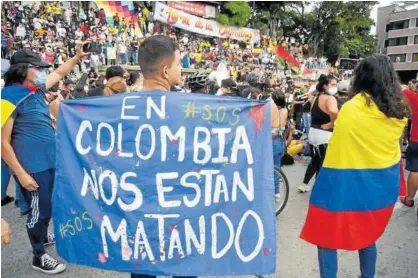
column 412, row 157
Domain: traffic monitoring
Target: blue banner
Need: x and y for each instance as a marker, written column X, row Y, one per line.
column 166, row 184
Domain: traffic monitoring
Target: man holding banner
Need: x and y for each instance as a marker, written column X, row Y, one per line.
column 160, row 73
column 159, row 183
column 30, row 153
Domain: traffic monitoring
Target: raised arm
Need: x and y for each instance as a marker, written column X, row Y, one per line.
column 61, row 72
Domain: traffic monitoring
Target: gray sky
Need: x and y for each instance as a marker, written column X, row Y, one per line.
column 373, row 14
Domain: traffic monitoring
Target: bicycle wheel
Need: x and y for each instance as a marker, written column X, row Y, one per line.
column 280, row 177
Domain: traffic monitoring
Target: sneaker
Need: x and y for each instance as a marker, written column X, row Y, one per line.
column 7, row 200
column 406, row 202
column 47, row 264
column 50, row 239
column 304, row 188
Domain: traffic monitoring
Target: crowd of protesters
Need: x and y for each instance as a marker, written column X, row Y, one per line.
column 52, row 30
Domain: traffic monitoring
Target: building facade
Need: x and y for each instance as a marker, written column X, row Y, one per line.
column 397, row 34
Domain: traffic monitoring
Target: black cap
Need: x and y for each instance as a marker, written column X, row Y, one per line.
column 27, row 56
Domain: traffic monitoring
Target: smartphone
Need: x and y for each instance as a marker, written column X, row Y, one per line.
column 90, row 47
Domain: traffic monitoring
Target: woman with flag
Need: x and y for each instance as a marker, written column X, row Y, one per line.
column 356, row 190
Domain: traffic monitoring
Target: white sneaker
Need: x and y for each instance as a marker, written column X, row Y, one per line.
column 48, row 264
column 304, row 188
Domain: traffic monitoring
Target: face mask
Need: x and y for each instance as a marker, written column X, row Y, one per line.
column 332, row 91
column 41, row 78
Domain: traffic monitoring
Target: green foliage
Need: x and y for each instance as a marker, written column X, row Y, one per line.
column 334, row 29
column 235, row 13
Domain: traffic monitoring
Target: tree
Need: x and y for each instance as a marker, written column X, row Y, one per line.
column 234, row 13
column 342, row 29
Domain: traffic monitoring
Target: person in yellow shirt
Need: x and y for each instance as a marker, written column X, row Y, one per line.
column 49, row 8
column 145, row 12
column 57, row 10
column 198, row 57
column 40, row 32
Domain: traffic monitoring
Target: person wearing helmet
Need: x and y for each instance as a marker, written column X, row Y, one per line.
column 198, row 82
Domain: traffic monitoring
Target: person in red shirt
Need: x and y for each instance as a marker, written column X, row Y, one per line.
column 84, row 28
column 102, row 16
column 412, row 150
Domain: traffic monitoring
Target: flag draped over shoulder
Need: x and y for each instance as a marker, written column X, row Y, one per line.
column 11, row 97
column 358, row 185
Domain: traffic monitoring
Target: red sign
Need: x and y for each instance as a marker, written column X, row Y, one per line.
column 193, row 8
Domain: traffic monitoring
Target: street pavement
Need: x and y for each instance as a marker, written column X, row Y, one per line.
column 397, row 248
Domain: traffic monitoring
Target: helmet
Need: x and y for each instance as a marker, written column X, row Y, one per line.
column 255, row 78
column 198, row 80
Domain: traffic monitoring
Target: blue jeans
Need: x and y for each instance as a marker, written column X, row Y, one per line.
column 328, row 262
column 279, row 147
column 132, row 57
column 5, row 179
column 123, row 58
column 306, row 121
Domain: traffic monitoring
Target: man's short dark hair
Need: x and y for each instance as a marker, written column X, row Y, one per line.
column 113, row 71
column 153, row 50
column 414, row 81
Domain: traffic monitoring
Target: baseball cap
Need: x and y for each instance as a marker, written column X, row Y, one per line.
column 27, row 56
column 343, row 87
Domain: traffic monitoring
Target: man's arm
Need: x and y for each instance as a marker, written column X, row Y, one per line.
column 9, row 156
column 61, row 72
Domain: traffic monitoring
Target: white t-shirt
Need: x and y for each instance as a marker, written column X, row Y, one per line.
column 111, row 53
column 94, row 60
column 79, row 35
column 68, row 13
column 20, row 31
column 62, row 32
column 37, row 23
column 122, row 48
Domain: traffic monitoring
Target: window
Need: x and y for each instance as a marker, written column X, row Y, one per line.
column 416, row 24
column 403, row 24
column 396, row 41
column 398, row 58
column 416, row 39
column 414, row 57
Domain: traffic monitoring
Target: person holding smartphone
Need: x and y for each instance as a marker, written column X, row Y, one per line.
column 28, row 144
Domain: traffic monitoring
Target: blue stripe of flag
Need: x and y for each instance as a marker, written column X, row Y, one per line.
column 339, row 190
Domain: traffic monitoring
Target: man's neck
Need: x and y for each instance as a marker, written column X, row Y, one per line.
column 155, row 85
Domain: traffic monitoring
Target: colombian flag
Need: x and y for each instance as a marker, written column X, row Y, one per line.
column 356, row 190
column 11, row 97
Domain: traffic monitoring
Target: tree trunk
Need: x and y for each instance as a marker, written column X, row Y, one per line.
column 273, row 26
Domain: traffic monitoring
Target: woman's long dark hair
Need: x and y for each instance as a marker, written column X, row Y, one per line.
column 376, row 76
column 279, row 99
column 16, row 74
column 322, row 81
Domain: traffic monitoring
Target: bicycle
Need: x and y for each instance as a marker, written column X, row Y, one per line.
column 280, row 177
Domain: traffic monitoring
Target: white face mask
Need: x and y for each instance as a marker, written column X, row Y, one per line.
column 332, row 91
